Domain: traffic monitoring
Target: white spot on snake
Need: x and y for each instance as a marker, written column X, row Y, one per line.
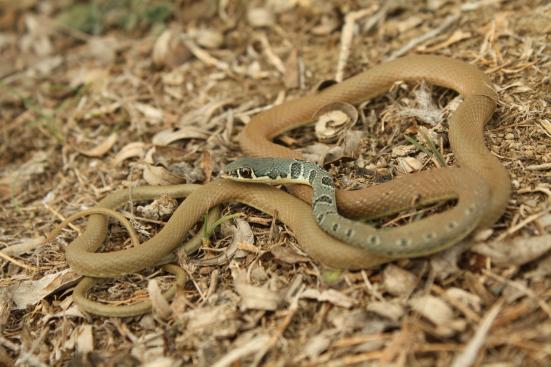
column 403, row 242
column 374, row 240
column 470, row 209
column 452, row 225
column 430, row 236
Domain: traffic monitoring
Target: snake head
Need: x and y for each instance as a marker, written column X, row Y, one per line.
column 241, row 169
column 267, row 170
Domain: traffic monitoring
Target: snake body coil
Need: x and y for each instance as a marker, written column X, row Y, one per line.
column 469, row 184
column 389, row 243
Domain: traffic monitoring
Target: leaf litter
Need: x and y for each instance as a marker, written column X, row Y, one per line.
column 97, row 97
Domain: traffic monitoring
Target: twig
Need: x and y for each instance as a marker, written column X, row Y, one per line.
column 203, row 55
column 60, row 216
column 544, row 306
column 469, row 354
column 523, row 223
column 449, row 21
column 291, row 311
column 346, row 38
column 270, row 54
column 248, row 348
column 17, row 262
column 539, row 167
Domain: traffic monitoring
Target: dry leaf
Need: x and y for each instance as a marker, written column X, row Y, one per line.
column 158, row 175
column 242, row 232
column 206, row 318
column 391, row 310
column 288, row 255
column 153, row 114
column 327, row 25
column 319, row 343
column 159, row 304
column 29, row 292
column 96, row 78
column 101, row 148
column 517, row 251
column 316, row 153
column 333, row 119
column 403, row 150
column 169, row 50
column 254, row 297
column 457, row 36
column 209, row 38
column 260, row 17
column 472, row 300
column 102, row 110
column 165, row 137
column 135, row 149
column 409, row 164
column 433, row 308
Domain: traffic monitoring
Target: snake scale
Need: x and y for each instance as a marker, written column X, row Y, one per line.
column 481, row 185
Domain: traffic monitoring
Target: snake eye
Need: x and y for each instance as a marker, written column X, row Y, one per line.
column 245, row 172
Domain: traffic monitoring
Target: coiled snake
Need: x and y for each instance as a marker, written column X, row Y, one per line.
column 481, row 185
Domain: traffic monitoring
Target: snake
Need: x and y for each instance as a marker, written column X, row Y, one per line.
column 418, row 238
column 480, row 185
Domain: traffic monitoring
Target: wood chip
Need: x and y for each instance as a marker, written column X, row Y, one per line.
column 329, row 295
column 398, row 281
column 84, row 339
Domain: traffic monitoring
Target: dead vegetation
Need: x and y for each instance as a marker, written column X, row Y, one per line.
column 105, row 95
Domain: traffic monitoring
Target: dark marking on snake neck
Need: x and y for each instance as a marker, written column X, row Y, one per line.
column 312, row 176
column 296, row 170
column 323, row 199
column 327, row 181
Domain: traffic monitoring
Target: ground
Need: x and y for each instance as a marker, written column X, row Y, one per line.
column 108, row 95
